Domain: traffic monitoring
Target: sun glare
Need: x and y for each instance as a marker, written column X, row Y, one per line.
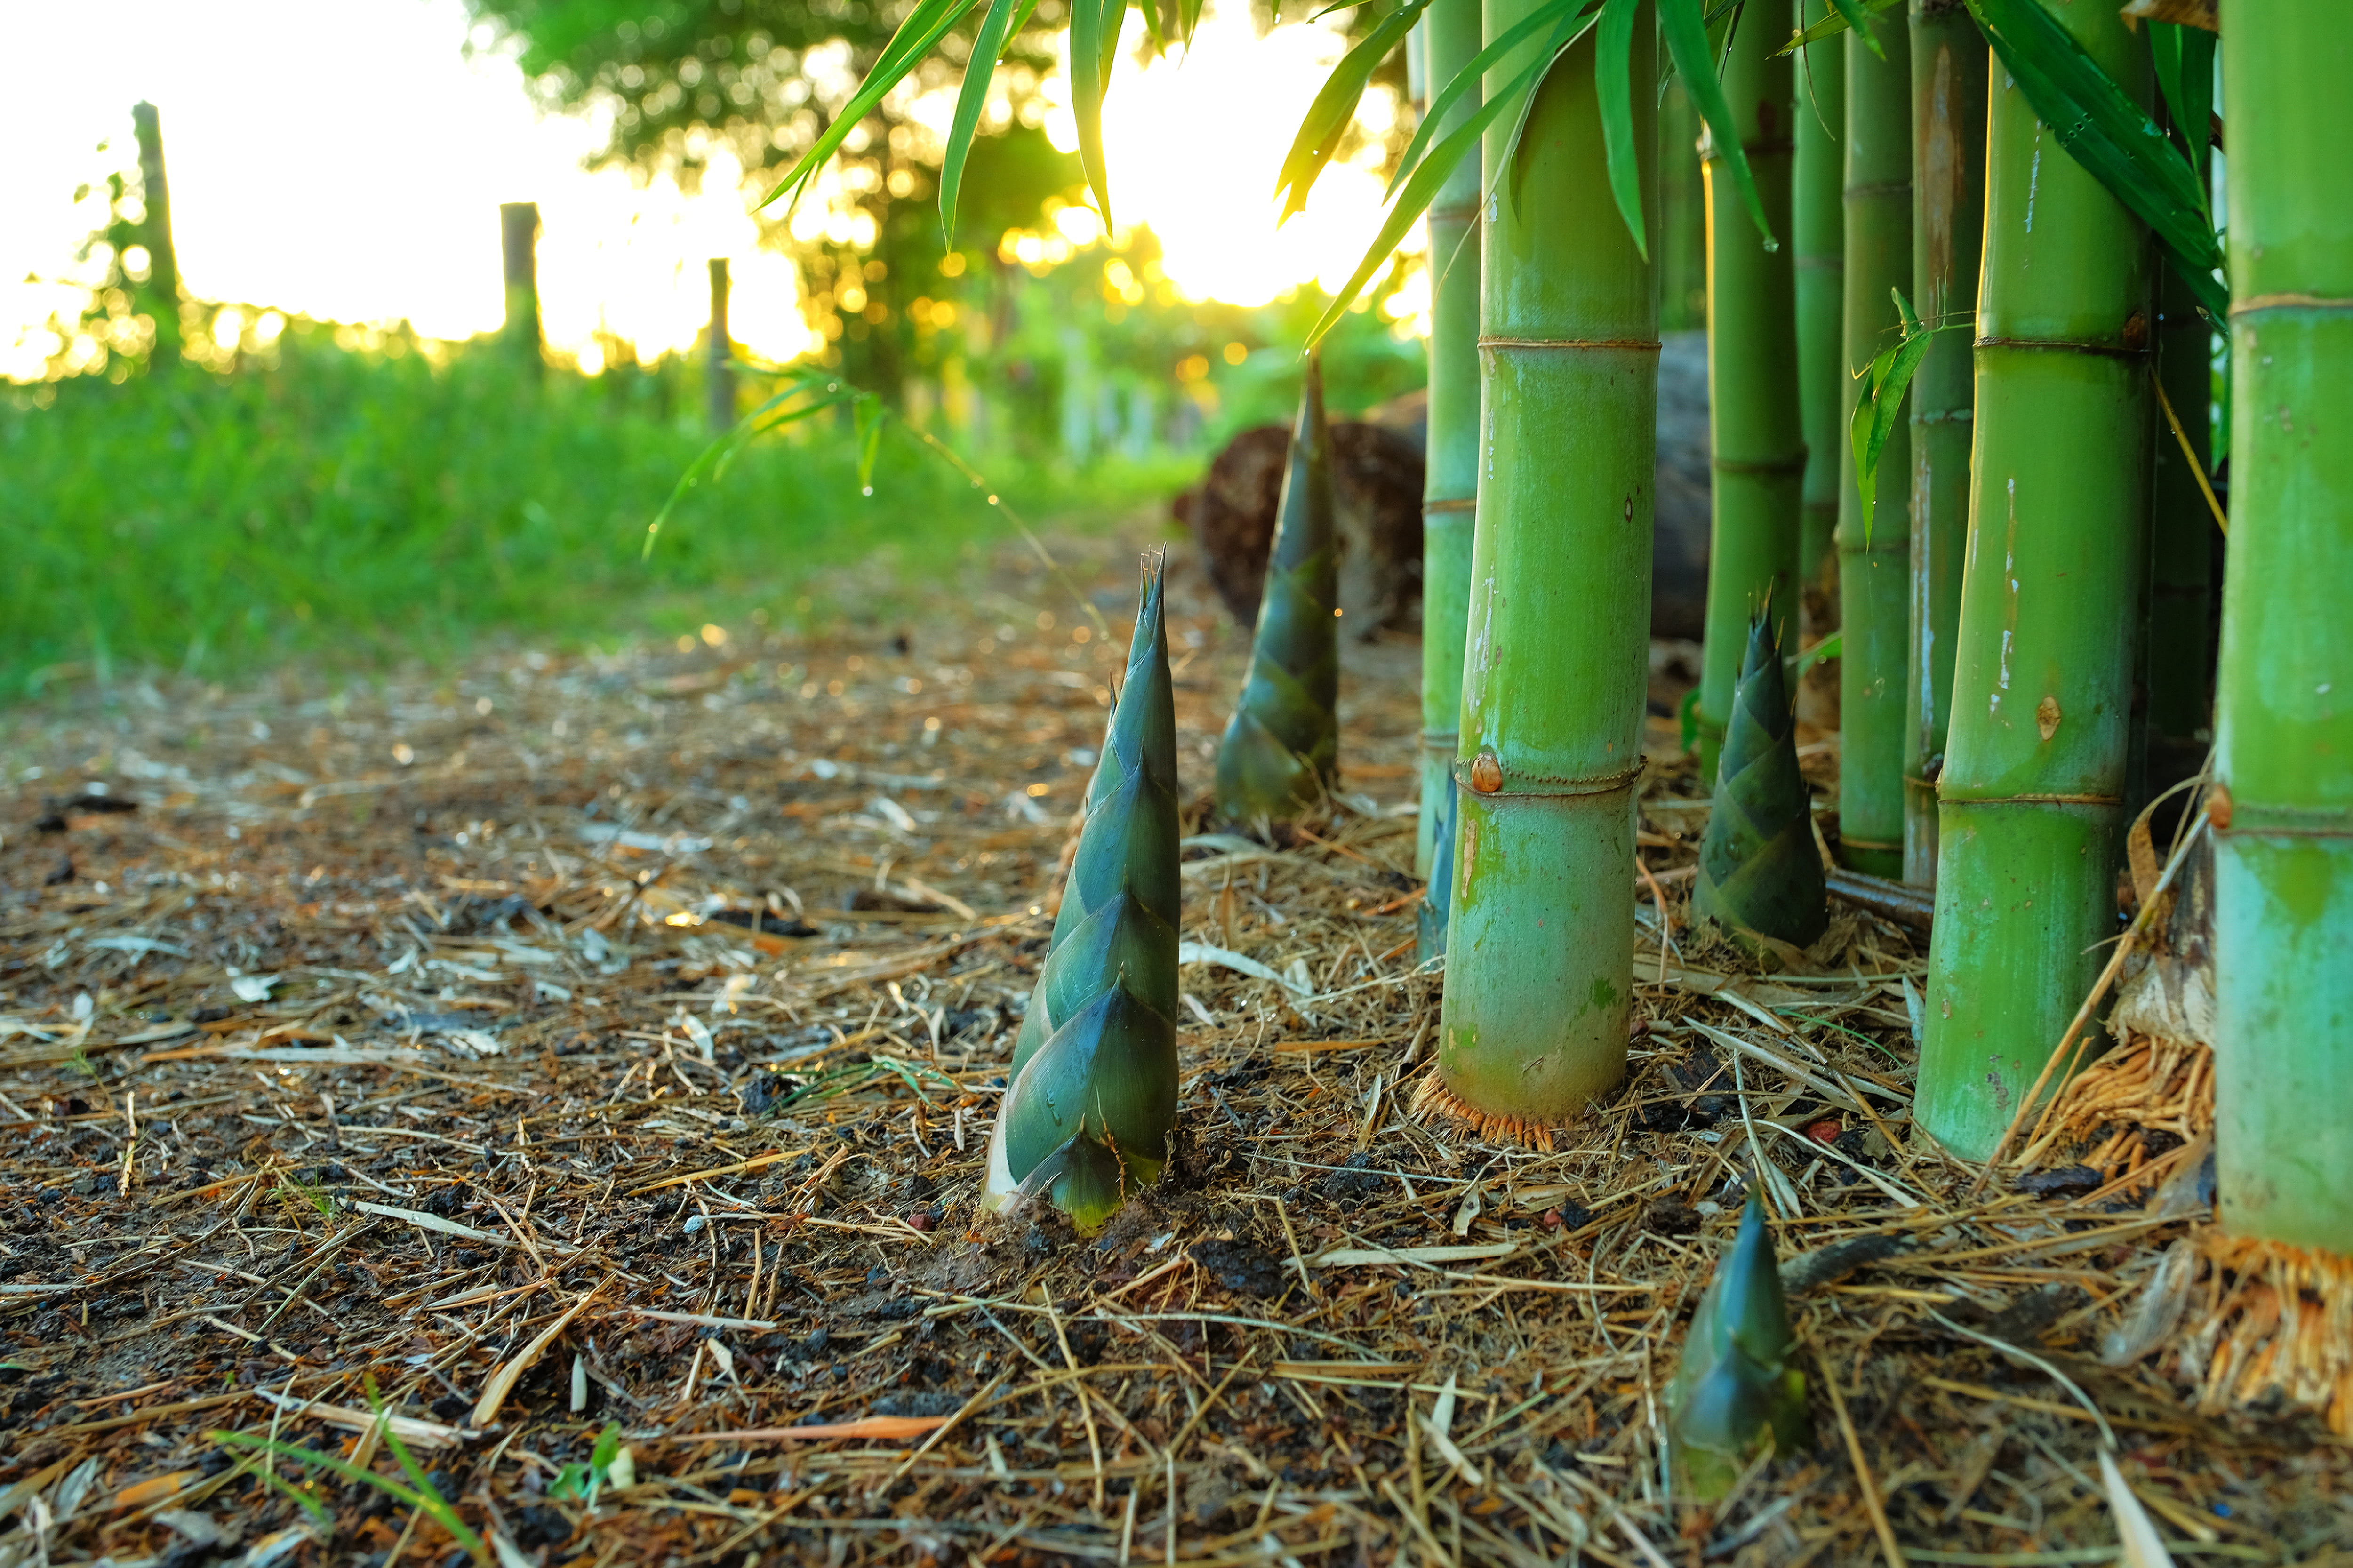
column 1196, row 139
column 374, row 226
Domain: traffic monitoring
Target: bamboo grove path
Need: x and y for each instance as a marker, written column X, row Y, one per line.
column 614, row 1040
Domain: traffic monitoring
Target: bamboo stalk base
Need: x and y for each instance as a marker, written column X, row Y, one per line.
column 2023, row 899
column 2275, row 1323
column 1433, row 1102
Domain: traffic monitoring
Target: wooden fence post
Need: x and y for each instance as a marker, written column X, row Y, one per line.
column 160, row 295
column 722, row 350
column 518, row 238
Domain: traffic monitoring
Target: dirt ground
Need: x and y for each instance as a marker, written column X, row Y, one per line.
column 573, row 1047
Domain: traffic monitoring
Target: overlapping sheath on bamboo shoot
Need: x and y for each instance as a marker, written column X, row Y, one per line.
column 1091, row 1097
column 1738, row 1382
column 1280, row 749
column 1759, row 868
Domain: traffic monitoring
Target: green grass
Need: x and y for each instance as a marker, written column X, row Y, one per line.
column 358, row 507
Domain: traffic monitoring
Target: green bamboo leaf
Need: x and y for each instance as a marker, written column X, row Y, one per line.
column 1431, row 176
column 1472, row 76
column 1094, row 38
column 807, row 392
column 1876, row 412
column 2110, row 136
column 1684, row 28
column 977, row 72
column 2185, row 74
column 1335, row 105
column 925, row 26
column 1759, row 868
column 1613, row 67
column 1279, row 755
column 1846, row 16
column 867, row 414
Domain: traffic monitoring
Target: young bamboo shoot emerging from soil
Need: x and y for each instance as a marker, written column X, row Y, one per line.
column 1280, row 749
column 1091, row 1097
column 1738, row 1382
column 1758, row 870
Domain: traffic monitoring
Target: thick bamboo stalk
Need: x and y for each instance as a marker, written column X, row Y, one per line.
column 1451, row 472
column 2284, row 706
column 1540, row 947
column 2031, row 791
column 1948, row 145
column 1818, row 226
column 2178, row 663
column 1755, row 437
column 1874, row 553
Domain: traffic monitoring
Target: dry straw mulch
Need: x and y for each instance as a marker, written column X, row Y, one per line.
column 613, row 1040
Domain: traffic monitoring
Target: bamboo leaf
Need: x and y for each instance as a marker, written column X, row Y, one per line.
column 2110, row 136
column 925, row 26
column 1469, row 78
column 1849, row 16
column 1419, row 193
column 978, row 73
column 1889, row 377
column 867, row 412
column 808, row 392
column 1684, row 28
column 1431, row 176
column 1335, row 105
column 1613, row 68
column 1094, row 40
column 2185, row 74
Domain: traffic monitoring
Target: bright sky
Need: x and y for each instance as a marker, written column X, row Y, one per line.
column 346, row 160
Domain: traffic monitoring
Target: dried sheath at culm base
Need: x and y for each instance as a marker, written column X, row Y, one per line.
column 1280, row 749
column 1738, row 1381
column 1092, row 1092
column 1759, row 868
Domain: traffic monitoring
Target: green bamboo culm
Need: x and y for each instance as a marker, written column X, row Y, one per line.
column 1091, row 1095
column 1874, row 552
column 1759, row 868
column 1738, row 1385
column 1817, row 233
column 1280, row 752
column 2284, row 706
column 1451, row 473
column 1540, row 944
column 1755, row 435
column 2031, row 798
column 1949, row 120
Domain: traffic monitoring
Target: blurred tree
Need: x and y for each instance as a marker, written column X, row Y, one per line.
column 680, row 79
